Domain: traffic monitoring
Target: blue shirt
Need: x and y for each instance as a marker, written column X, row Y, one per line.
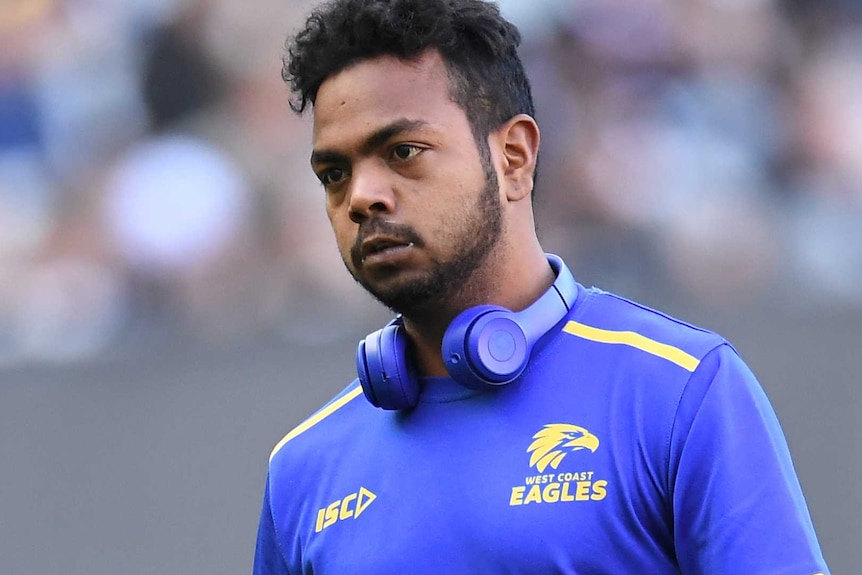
column 633, row 443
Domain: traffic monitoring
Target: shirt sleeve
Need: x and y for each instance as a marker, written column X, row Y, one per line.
column 737, row 504
column 268, row 559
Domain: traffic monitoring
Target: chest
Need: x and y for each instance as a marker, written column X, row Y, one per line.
column 473, row 488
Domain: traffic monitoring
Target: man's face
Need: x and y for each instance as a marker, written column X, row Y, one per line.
column 415, row 207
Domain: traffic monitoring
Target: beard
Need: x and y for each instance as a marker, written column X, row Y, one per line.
column 447, row 281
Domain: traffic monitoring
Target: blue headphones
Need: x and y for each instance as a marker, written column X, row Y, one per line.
column 484, row 347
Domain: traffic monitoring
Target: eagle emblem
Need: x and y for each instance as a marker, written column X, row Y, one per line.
column 551, row 444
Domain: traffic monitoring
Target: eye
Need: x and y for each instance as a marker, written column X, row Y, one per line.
column 332, row 176
column 404, row 152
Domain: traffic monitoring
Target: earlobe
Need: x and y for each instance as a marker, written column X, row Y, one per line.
column 520, row 142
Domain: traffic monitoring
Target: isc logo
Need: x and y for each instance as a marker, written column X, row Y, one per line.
column 351, row 506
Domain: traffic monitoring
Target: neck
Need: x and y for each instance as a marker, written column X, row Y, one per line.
column 513, row 284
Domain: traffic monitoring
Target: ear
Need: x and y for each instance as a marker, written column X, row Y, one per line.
column 519, row 142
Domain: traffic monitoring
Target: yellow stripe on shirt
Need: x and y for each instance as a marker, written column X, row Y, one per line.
column 318, row 417
column 636, row 340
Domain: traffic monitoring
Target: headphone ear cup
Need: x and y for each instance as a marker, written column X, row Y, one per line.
column 385, row 372
column 485, row 347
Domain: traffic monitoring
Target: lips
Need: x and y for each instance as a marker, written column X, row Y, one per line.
column 379, row 245
column 384, row 243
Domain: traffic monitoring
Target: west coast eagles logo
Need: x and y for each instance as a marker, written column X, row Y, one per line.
column 555, row 440
column 550, row 446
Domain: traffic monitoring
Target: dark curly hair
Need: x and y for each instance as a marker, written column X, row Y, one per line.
column 478, row 46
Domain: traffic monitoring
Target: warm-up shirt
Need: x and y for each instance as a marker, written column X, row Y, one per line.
column 632, row 444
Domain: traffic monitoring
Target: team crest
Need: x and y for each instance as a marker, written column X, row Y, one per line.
column 555, row 440
column 575, row 484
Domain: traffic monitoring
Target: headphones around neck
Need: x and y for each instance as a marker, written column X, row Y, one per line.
column 484, row 347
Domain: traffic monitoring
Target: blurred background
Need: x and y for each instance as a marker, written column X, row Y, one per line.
column 172, row 302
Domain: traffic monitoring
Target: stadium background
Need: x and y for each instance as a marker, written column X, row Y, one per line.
column 171, row 302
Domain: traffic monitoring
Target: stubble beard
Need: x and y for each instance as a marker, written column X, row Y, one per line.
column 447, row 283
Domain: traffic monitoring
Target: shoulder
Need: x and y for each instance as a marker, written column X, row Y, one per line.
column 606, row 319
column 340, row 417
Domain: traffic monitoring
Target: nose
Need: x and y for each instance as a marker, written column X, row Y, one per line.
column 370, row 194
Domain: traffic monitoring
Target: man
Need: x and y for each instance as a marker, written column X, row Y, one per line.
column 578, row 433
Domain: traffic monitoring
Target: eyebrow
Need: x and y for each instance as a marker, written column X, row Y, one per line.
column 373, row 141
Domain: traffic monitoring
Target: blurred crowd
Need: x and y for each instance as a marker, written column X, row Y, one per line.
column 153, row 179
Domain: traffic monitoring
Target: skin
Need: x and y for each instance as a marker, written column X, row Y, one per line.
column 399, row 163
